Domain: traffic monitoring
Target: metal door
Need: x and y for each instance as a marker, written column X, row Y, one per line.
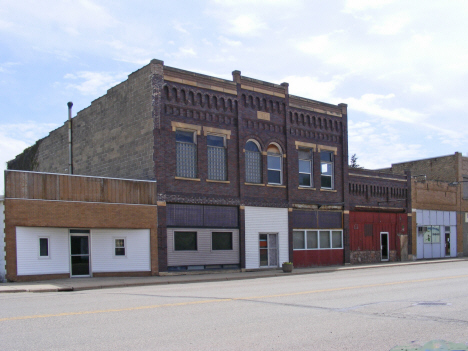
column 79, row 255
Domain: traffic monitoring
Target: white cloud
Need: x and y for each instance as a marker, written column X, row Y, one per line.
column 391, row 25
column 6, row 67
column 312, row 87
column 229, row 42
column 178, row 27
column 14, row 138
column 185, row 52
column 372, row 105
column 421, row 88
column 247, row 25
column 362, row 5
column 378, row 145
column 315, row 45
column 94, row 83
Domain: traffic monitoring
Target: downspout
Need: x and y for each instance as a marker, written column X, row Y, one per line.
column 70, row 160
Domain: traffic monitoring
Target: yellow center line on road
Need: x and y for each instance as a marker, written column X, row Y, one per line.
column 228, row 299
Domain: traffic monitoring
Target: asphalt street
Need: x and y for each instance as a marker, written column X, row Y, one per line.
column 397, row 307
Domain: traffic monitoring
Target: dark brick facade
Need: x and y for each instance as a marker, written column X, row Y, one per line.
column 130, row 133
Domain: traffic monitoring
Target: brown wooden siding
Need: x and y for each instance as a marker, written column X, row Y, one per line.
column 63, row 187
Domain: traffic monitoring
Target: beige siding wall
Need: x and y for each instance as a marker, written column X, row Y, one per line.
column 204, row 255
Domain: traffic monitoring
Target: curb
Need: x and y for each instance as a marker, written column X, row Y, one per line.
column 213, row 278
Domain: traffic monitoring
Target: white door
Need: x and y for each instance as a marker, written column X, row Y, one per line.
column 268, row 245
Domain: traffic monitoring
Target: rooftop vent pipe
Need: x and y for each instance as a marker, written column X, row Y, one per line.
column 70, row 163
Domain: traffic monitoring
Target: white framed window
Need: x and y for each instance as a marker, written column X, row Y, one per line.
column 185, row 241
column 120, row 249
column 217, row 163
column 221, row 241
column 253, row 163
column 326, row 167
column 186, row 153
column 317, row 239
column 274, row 162
column 44, row 248
column 305, row 168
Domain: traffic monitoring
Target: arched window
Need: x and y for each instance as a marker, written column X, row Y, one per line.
column 274, row 165
column 253, row 163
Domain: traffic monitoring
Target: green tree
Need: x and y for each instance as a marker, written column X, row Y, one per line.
column 354, row 163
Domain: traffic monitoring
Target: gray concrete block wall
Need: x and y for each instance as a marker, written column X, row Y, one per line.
column 113, row 137
column 52, row 153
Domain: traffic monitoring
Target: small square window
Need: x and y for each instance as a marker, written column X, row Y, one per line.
column 221, row 241
column 120, row 247
column 43, row 247
column 185, row 241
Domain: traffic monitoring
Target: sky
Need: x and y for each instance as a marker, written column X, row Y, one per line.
column 401, row 66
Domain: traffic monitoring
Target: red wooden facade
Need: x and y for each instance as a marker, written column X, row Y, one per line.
column 365, row 229
column 309, row 258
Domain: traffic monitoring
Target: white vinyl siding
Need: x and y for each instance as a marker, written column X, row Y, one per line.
column 204, row 254
column 27, row 251
column 265, row 220
column 137, row 250
column 2, row 240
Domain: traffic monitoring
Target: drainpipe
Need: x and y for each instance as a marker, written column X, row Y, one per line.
column 70, row 163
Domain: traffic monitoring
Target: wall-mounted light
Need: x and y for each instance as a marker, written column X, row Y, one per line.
column 456, row 183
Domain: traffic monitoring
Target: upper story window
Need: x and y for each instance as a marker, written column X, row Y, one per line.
column 253, row 163
column 326, row 166
column 217, row 169
column 274, row 165
column 186, row 150
column 305, row 168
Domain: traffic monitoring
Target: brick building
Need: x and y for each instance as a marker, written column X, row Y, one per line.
column 439, row 204
column 248, row 175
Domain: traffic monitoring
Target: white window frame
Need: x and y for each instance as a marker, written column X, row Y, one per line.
column 311, row 163
column 184, row 231
column 222, row 231
column 124, row 238
column 330, row 233
column 48, row 248
column 225, row 152
column 332, row 166
column 280, row 156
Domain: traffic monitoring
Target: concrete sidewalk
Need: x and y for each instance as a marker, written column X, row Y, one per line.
column 77, row 284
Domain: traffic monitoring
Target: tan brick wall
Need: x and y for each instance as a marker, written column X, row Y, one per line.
column 40, row 213
column 434, row 195
column 438, row 168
